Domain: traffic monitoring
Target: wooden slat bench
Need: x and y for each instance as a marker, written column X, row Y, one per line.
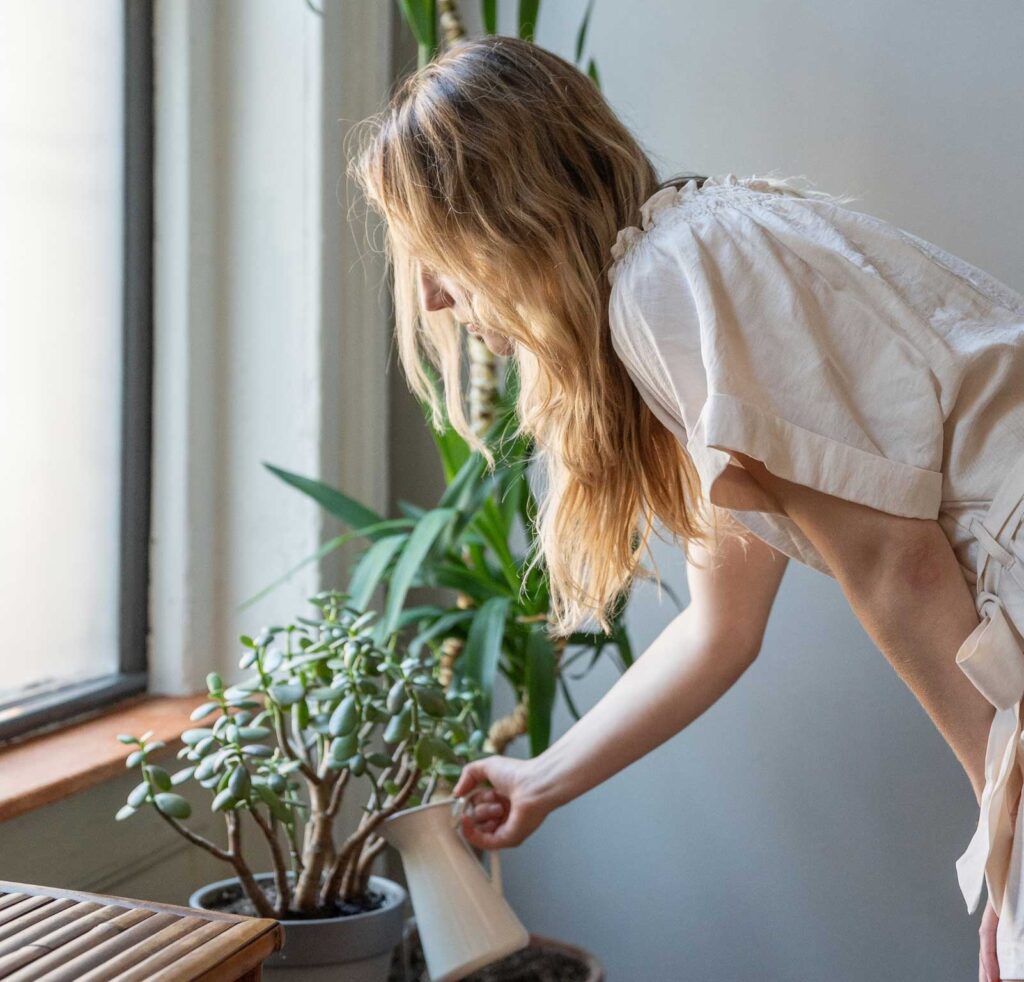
column 69, row 936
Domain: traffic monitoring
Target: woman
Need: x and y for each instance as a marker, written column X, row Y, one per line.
column 765, row 372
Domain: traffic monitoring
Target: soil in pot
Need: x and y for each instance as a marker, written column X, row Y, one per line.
column 539, row 962
column 232, row 900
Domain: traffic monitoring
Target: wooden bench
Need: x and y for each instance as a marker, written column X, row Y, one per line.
column 69, row 936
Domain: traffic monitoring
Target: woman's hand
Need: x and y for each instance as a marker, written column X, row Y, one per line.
column 988, row 964
column 507, row 812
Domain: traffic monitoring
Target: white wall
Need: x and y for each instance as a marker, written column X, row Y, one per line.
column 806, row 826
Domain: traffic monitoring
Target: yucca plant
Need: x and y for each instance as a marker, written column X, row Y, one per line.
column 330, row 699
column 498, row 624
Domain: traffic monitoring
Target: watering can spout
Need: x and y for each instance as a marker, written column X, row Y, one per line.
column 463, row 919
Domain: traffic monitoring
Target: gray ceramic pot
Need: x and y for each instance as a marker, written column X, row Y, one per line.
column 357, row 948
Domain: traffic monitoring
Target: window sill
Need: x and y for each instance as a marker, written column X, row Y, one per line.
column 50, row 767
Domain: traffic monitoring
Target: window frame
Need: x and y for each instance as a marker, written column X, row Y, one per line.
column 59, row 705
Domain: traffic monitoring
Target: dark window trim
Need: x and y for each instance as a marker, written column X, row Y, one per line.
column 57, row 705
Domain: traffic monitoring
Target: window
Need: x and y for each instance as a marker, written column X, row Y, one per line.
column 75, row 355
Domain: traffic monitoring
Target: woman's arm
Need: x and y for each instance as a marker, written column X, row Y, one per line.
column 691, row 664
column 906, row 587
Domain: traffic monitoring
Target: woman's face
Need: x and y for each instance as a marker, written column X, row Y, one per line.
column 438, row 292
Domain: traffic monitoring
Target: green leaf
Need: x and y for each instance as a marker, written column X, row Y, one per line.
column 254, row 732
column 468, row 581
column 340, row 505
column 528, row 10
column 173, row 805
column 424, row 753
column 159, row 777
column 345, row 718
column 134, row 759
column 257, row 750
column 540, row 687
column 214, row 683
column 592, row 72
column 581, row 36
column 204, row 710
column 127, row 738
column 192, row 737
column 479, row 658
column 371, row 567
column 399, row 726
column 125, row 812
column 623, row 644
column 240, row 782
column 138, row 795
column 180, row 777
column 223, row 800
column 489, row 16
column 274, row 803
column 442, row 625
column 420, row 16
column 422, row 538
column 431, row 700
column 345, row 746
column 287, row 693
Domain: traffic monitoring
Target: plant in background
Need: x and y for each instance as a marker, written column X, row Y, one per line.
column 321, row 692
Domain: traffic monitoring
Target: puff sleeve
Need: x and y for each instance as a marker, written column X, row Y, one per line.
column 768, row 331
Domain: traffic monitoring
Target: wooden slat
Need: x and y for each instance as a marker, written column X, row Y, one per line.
column 94, row 938
column 58, row 935
column 34, row 918
column 35, row 928
column 210, row 955
column 97, row 955
column 155, row 944
column 19, row 950
column 23, row 907
column 172, row 954
column 109, row 898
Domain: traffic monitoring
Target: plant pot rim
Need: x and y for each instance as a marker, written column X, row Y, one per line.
column 394, row 896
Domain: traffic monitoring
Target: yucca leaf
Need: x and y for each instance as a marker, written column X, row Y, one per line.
column 422, row 537
column 528, row 10
column 370, row 569
column 340, row 505
column 540, row 688
column 479, row 658
column 582, row 34
column 489, row 16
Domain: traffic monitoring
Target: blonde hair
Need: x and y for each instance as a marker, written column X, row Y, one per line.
column 502, row 165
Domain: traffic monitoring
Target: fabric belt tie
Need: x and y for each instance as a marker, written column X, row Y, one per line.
column 992, row 657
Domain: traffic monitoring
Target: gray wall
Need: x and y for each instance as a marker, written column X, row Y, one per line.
column 807, row 826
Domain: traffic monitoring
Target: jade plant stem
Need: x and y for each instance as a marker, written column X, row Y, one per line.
column 681, row 675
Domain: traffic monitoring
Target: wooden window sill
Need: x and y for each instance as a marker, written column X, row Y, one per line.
column 51, row 766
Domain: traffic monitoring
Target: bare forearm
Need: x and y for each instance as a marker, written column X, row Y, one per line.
column 919, row 622
column 678, row 677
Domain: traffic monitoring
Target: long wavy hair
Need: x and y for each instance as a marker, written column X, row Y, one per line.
column 501, row 165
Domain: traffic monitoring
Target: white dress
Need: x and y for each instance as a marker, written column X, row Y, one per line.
column 860, row 360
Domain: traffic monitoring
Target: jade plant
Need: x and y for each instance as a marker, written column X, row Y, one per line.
column 284, row 744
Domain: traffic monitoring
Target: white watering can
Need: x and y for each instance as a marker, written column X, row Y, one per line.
column 463, row 920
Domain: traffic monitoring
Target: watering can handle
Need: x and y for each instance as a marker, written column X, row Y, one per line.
column 457, row 811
